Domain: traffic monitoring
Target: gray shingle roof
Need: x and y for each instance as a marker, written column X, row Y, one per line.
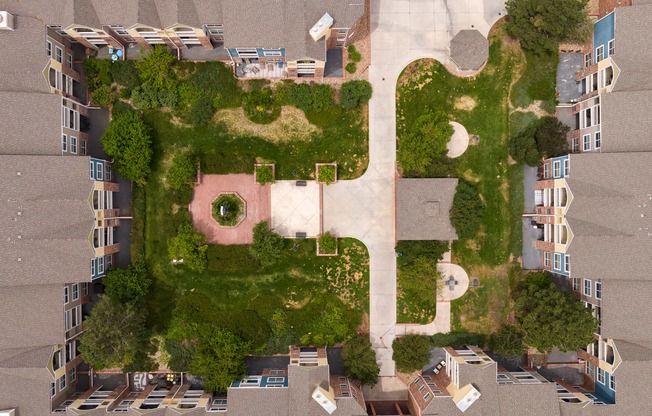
column 27, row 389
column 423, row 207
column 45, row 217
column 633, row 47
column 625, row 121
column 611, row 215
column 469, row 49
column 31, row 123
column 622, row 302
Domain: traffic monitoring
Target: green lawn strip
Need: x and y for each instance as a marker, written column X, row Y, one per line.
column 516, row 204
column 137, row 244
column 537, row 82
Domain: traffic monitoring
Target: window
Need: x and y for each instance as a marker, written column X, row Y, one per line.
column 587, row 60
column 612, row 382
column 427, row 396
column 64, row 143
column 611, row 47
column 556, row 169
column 48, row 48
column 576, row 145
column 599, row 53
column 272, row 372
column 417, row 381
column 73, row 145
column 109, row 261
column 100, row 265
column 62, row 382
column 422, row 388
column 71, row 351
column 272, row 53
column 92, row 170
column 546, row 258
column 58, row 54
column 567, row 264
column 566, row 166
column 586, row 146
column 275, row 379
column 107, row 176
column 73, row 374
column 557, row 264
column 598, row 290
column 92, row 267
column 587, row 287
column 501, row 376
column 69, row 60
column 576, row 284
column 589, row 369
column 100, row 172
column 598, row 140
column 82, row 143
column 546, row 170
column 427, row 378
column 84, row 287
column 53, row 388
column 75, row 291
column 600, row 373
column 344, row 386
column 66, row 298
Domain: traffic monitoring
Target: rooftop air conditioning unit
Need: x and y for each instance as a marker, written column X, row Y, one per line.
column 6, row 21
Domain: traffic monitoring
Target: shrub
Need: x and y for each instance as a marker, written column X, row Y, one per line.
column 264, row 174
column 156, row 67
column 168, row 98
column 419, row 282
column 466, row 212
column 360, row 360
column 183, row 172
column 189, row 246
column 128, row 141
column 322, row 97
column 327, row 243
column 507, row 342
column 120, row 107
column 326, row 174
column 201, row 110
column 300, row 96
column 354, row 55
column 233, row 209
column 457, row 339
column 145, row 97
column 353, row 93
column 98, row 73
column 259, row 106
column 411, row 249
column 267, row 245
column 351, row 67
column 104, row 96
column 523, row 148
column 329, row 329
column 425, row 142
column 125, row 93
column 128, row 285
column 411, row 352
column 125, row 73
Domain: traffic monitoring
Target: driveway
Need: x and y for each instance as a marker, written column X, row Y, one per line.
column 364, row 208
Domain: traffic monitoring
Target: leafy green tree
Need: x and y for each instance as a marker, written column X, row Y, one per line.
column 507, row 342
column 145, row 97
column 156, row 67
column 104, row 95
column 98, row 73
column 322, row 97
column 202, row 110
column 550, row 137
column 267, row 245
column 129, row 285
column 300, row 96
column 219, row 359
column 360, row 361
column 523, row 148
column 128, row 141
column 125, row 73
column 115, row 336
column 425, row 142
column 190, row 246
column 168, row 98
column 542, row 25
column 551, row 318
column 467, row 210
column 331, row 328
column 183, row 171
column 411, row 352
column 354, row 93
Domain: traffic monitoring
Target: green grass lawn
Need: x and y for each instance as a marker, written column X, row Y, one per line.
column 482, row 105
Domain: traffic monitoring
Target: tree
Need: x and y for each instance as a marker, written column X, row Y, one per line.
column 542, row 25
column 267, row 244
column 523, row 148
column 189, row 246
column 219, row 359
column 360, row 361
column 550, row 137
column 128, row 141
column 467, row 210
column 411, row 352
column 426, row 140
column 353, row 93
column 145, row 97
column 115, row 336
column 550, row 318
column 128, row 285
column 156, row 68
column 507, row 342
column 104, row 95
column 183, row 172
column 125, row 73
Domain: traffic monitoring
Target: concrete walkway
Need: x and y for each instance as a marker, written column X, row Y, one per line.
column 401, row 31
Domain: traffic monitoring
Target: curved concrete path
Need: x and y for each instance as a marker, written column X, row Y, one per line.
column 461, row 277
column 459, row 142
column 401, row 31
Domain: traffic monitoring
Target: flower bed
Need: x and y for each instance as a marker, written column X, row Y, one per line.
column 229, row 209
column 326, row 173
column 265, row 173
column 327, row 245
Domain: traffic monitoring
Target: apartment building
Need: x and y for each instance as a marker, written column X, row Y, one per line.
column 273, row 39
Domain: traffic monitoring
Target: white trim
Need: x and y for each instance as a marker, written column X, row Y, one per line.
column 566, row 166
column 586, row 142
column 599, row 51
column 556, row 264
column 75, row 290
column 597, row 140
column 73, row 145
column 556, row 168
column 62, row 382
column 64, row 142
column 66, row 295
column 546, row 258
column 612, row 382
column 611, row 47
column 598, row 292
column 585, row 287
column 58, row 54
column 600, row 375
column 48, row 49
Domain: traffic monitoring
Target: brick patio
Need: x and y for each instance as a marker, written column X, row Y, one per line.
column 258, row 207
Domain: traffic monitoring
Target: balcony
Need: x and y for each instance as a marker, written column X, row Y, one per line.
column 261, row 70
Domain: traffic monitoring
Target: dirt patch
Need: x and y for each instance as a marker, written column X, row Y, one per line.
column 465, row 102
column 535, row 108
column 363, row 328
column 291, row 125
column 175, row 208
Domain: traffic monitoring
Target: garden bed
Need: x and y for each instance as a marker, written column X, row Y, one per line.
column 326, row 173
column 264, row 173
column 327, row 245
column 229, row 209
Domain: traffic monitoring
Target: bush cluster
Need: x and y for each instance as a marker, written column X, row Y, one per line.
column 327, row 243
column 264, row 174
column 183, row 171
column 316, row 97
column 259, row 106
column 267, row 245
column 467, row 210
column 326, row 174
column 354, row 55
column 543, row 139
column 354, row 93
column 233, row 207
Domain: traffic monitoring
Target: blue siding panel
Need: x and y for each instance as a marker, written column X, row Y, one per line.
column 603, row 32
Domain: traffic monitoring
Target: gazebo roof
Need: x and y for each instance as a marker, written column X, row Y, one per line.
column 469, row 49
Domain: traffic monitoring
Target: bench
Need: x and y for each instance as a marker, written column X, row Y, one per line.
column 300, row 234
column 301, row 183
